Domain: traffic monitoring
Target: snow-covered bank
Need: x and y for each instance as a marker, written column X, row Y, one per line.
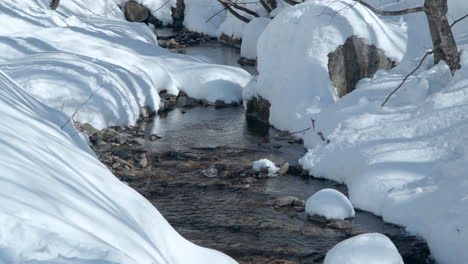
column 57, row 55
column 61, row 205
column 406, row 161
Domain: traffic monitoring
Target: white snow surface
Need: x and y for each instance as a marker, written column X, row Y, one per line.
column 57, row 56
column 371, row 248
column 406, row 161
column 330, row 204
column 250, row 37
column 266, row 163
column 59, row 204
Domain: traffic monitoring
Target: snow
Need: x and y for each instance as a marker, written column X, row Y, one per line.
column 330, row 204
column 266, row 164
column 372, row 248
column 61, row 205
column 406, row 161
column 55, row 55
column 250, row 36
column 204, row 16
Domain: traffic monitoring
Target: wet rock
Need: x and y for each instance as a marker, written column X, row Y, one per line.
column 154, row 137
column 116, row 165
column 185, row 101
column 97, row 140
column 288, row 201
column 246, row 62
column 210, row 172
column 340, row 224
column 146, row 112
column 284, row 169
column 249, row 180
column 258, row 108
column 353, row 61
column 135, row 12
column 142, row 160
column 123, row 154
column 228, row 40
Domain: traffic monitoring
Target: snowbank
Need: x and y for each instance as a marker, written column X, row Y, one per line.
column 204, row 16
column 293, row 55
column 61, row 205
column 330, row 204
column 250, row 37
column 406, row 161
column 56, row 56
column 369, row 248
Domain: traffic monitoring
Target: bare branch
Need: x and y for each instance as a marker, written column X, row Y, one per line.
column 391, row 13
column 79, row 107
column 239, row 7
column 291, row 2
column 228, row 7
column 266, row 6
column 420, row 63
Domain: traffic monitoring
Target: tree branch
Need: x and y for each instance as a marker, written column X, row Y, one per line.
column 239, row 7
column 266, row 6
column 391, row 13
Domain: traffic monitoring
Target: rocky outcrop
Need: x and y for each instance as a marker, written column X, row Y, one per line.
column 259, row 109
column 136, row 12
column 228, row 40
column 353, row 61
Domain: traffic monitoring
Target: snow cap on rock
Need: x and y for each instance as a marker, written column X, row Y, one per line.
column 330, row 204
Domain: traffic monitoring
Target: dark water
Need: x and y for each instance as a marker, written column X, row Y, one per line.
column 222, row 213
column 225, row 212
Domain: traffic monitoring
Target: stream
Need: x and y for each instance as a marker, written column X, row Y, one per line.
column 234, row 211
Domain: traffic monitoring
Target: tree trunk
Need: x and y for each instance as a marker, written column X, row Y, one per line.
column 443, row 41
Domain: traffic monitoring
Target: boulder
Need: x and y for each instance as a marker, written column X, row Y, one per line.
column 353, row 61
column 258, row 108
column 136, row 12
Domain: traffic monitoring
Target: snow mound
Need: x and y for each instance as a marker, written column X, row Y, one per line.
column 250, row 37
column 293, row 55
column 61, row 205
column 266, row 164
column 369, row 248
column 64, row 59
column 330, row 204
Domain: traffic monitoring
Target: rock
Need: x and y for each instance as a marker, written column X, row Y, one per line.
column 97, row 140
column 258, row 108
column 135, row 12
column 341, row 224
column 353, row 61
column 246, row 62
column 88, row 129
column 288, row 201
column 210, row 172
column 230, row 41
column 146, row 112
column 284, row 169
column 154, row 137
column 122, row 154
column 249, row 180
column 141, row 160
column 116, row 165
column 185, row 101
column 330, row 204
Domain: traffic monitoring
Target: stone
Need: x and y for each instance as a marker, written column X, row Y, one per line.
column 249, row 180
column 246, row 62
column 146, row 112
column 353, row 61
column 288, row 201
column 136, row 12
column 284, row 169
column 341, row 224
column 116, row 165
column 185, row 101
column 210, row 172
column 88, row 129
column 258, row 108
column 141, row 160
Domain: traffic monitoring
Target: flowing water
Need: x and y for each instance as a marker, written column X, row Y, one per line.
column 229, row 213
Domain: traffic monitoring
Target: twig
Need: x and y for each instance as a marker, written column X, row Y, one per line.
column 391, row 13
column 419, row 64
column 79, row 107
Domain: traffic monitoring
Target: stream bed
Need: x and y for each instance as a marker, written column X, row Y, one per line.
column 233, row 209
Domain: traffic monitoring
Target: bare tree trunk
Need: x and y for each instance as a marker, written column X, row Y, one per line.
column 443, row 41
